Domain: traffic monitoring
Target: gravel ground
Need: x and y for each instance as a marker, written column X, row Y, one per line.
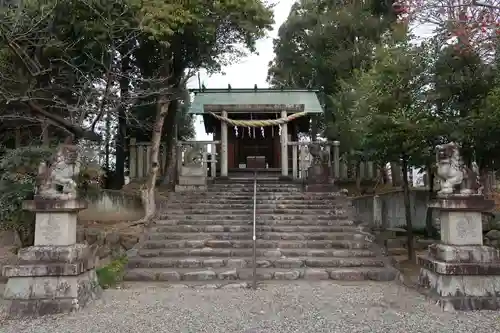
column 299, row 307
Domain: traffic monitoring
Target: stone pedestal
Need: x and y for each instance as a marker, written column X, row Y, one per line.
column 461, row 273
column 319, row 179
column 55, row 275
column 192, row 178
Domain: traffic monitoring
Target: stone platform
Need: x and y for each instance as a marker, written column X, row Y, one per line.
column 461, row 273
column 51, row 279
column 55, row 275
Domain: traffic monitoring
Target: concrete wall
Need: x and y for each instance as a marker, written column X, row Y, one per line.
column 111, row 205
column 393, row 209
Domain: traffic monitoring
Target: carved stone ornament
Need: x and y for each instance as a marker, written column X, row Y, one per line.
column 193, row 155
column 319, row 156
column 453, row 174
column 56, row 177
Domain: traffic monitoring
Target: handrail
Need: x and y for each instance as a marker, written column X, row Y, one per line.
column 254, row 237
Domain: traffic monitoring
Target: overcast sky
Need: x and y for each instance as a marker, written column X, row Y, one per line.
column 252, row 69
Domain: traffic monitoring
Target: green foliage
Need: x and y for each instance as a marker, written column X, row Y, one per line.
column 18, row 171
column 111, row 275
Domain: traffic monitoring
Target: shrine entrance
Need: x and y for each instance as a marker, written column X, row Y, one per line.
column 255, row 126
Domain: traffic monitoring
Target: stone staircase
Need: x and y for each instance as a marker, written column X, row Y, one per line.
column 207, row 236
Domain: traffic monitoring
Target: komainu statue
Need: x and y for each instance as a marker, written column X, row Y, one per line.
column 452, row 172
column 319, row 156
column 56, row 177
column 193, row 155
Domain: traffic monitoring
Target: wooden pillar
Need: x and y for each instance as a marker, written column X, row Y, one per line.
column 284, row 146
column 294, row 161
column 205, row 160
column 133, row 158
column 336, row 159
column 223, row 168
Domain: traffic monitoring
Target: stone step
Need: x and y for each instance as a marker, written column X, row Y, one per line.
column 246, row 274
column 260, row 211
column 246, row 262
column 249, row 205
column 260, row 195
column 267, row 244
column 260, row 228
column 260, row 235
column 269, row 190
column 248, row 252
column 259, row 217
column 209, row 220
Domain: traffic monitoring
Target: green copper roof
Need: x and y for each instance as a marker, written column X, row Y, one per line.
column 307, row 100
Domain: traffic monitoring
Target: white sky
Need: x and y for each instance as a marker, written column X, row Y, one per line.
column 252, row 69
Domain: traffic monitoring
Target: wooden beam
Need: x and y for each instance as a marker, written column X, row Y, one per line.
column 253, row 108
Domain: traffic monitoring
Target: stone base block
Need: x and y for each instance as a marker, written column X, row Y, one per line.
column 43, row 295
column 320, row 188
column 51, row 279
column 461, row 277
column 196, row 171
column 192, row 180
column 461, row 292
column 190, row 188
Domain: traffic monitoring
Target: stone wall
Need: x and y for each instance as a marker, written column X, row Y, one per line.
column 393, row 209
column 111, row 206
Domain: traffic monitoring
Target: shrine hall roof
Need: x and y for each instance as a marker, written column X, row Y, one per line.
column 254, row 100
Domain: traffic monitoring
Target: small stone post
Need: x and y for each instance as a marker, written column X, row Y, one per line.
column 336, row 159
column 56, row 275
column 460, row 273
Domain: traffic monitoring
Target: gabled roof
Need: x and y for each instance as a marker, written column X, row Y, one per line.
column 254, row 100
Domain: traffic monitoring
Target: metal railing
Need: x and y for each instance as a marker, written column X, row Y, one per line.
column 254, row 237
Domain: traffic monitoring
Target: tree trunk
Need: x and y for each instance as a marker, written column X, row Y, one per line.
column 170, row 139
column 148, row 193
column 395, row 174
column 121, row 135
column 406, row 194
column 430, row 230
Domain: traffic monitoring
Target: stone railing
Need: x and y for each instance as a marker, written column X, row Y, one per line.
column 342, row 168
column 140, row 158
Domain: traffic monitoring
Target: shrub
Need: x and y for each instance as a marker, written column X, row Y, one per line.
column 111, row 275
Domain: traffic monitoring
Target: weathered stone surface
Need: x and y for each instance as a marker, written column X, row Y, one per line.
column 199, row 276
column 68, row 254
column 449, row 268
column 289, row 263
column 171, row 276
column 290, row 275
column 228, row 275
column 213, row 263
column 50, row 295
column 450, row 253
column 236, row 263
column 347, row 275
column 214, row 228
column 272, row 254
column 263, row 263
column 464, row 293
column 47, row 269
column 189, row 263
column 315, row 274
column 218, row 243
